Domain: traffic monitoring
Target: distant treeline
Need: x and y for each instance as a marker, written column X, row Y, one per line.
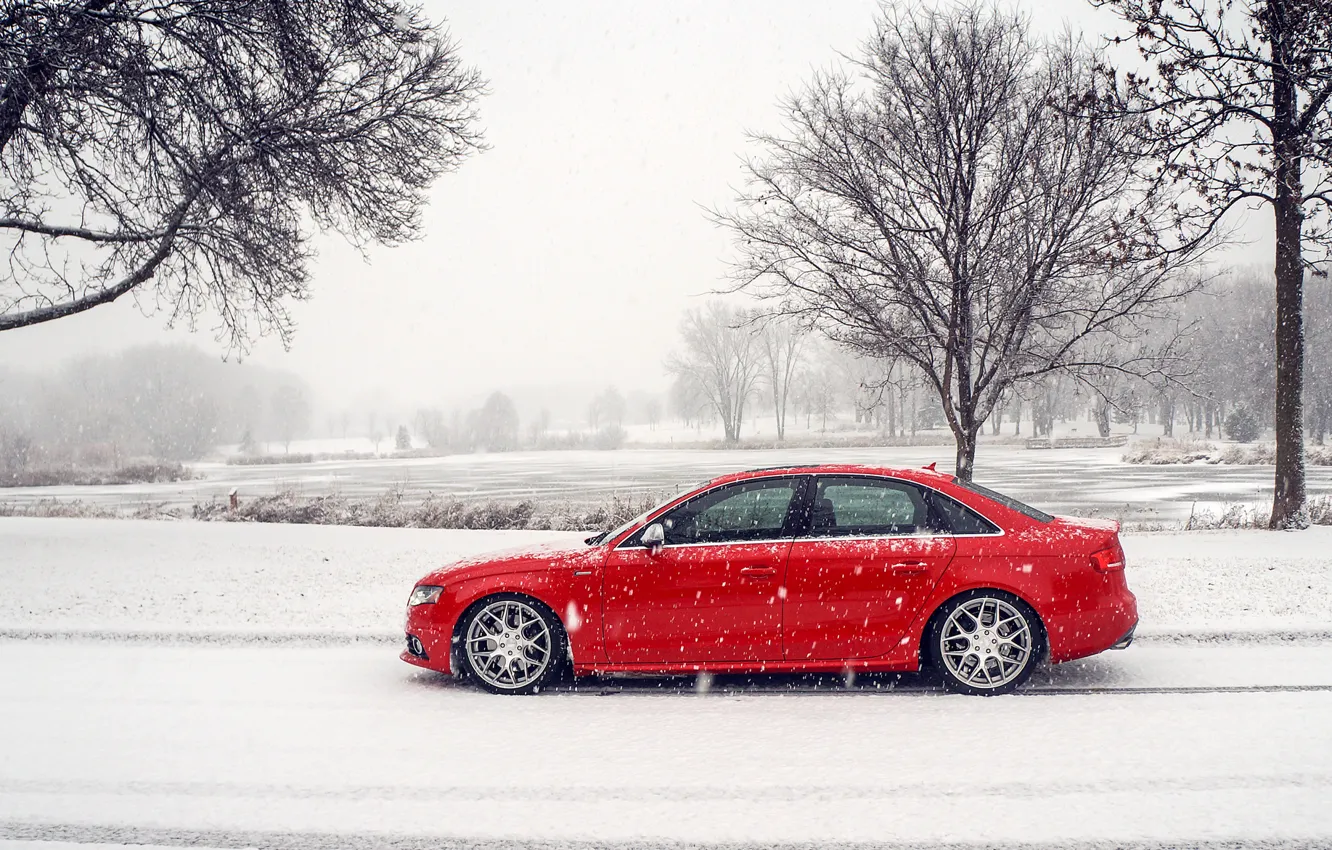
column 165, row 402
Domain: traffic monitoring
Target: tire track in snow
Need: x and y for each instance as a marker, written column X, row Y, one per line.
column 242, row 840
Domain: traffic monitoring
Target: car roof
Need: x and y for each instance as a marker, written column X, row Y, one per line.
column 918, row 474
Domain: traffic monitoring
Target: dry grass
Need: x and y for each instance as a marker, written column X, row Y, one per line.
column 392, row 510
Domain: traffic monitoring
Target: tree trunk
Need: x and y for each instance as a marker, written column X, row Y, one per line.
column 966, row 451
column 1102, row 411
column 1288, row 501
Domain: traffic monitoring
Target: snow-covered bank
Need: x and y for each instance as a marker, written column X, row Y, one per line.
column 99, row 737
column 290, row 582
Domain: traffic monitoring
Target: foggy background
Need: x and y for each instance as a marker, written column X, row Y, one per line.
column 561, row 260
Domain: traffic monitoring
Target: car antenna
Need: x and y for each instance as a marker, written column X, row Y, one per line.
column 930, row 467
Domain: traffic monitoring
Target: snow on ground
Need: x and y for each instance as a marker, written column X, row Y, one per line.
column 230, row 578
column 145, row 576
column 201, row 730
column 102, row 738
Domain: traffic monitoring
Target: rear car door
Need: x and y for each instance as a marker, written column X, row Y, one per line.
column 869, row 552
column 711, row 593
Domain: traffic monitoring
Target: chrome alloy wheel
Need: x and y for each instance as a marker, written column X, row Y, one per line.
column 509, row 644
column 986, row 643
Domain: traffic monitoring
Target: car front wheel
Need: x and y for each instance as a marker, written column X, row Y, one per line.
column 985, row 643
column 512, row 644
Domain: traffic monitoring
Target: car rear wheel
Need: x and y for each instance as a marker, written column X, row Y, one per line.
column 512, row 644
column 985, row 643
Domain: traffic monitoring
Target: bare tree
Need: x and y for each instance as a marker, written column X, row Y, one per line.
column 495, row 425
column 194, row 145
column 1238, row 107
column 608, row 407
column 943, row 207
column 291, row 414
column 782, row 343
column 722, row 358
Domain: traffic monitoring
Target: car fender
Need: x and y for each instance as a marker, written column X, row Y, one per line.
column 574, row 598
column 1022, row 579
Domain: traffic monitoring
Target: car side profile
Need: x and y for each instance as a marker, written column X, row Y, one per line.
column 796, row 569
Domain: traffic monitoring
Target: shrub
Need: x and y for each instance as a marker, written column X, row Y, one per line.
column 403, row 440
column 266, row 460
column 139, row 473
column 1165, row 450
column 1241, row 425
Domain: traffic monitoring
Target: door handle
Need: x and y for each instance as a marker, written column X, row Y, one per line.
column 910, row 567
column 758, row 572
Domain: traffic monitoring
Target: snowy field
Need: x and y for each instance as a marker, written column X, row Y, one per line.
column 238, row 686
column 1105, row 485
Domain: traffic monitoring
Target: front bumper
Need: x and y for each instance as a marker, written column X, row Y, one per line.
column 428, row 648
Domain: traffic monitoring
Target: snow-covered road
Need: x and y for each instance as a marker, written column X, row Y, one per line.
column 138, row 741
column 238, row 686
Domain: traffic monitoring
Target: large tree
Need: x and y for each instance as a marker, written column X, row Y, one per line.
column 186, row 150
column 944, row 203
column 1237, row 103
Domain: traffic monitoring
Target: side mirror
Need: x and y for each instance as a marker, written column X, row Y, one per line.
column 654, row 537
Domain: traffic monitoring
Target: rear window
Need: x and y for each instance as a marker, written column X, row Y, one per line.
column 959, row 518
column 1007, row 501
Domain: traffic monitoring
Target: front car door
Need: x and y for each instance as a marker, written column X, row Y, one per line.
column 869, row 553
column 711, row 593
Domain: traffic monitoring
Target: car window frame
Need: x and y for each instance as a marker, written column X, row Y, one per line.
column 938, row 523
column 786, row 532
column 935, row 526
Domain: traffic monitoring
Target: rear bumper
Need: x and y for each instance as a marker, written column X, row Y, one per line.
column 1123, row 643
column 1109, row 625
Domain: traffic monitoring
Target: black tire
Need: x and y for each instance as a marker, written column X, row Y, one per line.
column 533, row 679
column 986, row 652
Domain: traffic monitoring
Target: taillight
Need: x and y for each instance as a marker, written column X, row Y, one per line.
column 1108, row 560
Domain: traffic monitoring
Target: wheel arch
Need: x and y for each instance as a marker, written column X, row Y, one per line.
column 455, row 633
column 936, row 614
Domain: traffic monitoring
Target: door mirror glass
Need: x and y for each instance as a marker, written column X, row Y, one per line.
column 654, row 537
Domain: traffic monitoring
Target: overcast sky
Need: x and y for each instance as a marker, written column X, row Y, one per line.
column 565, row 254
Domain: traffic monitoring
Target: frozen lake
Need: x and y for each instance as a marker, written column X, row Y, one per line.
column 1092, row 482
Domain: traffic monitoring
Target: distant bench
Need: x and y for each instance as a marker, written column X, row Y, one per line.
column 1078, row 442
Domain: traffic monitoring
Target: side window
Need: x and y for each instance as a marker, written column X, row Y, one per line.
column 750, row 510
column 959, row 518
column 845, row 507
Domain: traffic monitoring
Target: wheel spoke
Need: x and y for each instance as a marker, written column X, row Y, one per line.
column 986, row 654
column 527, row 651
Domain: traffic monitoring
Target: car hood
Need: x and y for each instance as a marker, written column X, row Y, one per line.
column 531, row 558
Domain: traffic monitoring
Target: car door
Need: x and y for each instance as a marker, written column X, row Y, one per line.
column 869, row 552
column 710, row 593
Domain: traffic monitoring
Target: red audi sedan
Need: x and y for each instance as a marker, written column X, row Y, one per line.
column 800, row 569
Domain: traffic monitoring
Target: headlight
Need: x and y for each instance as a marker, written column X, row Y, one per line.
column 425, row 594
